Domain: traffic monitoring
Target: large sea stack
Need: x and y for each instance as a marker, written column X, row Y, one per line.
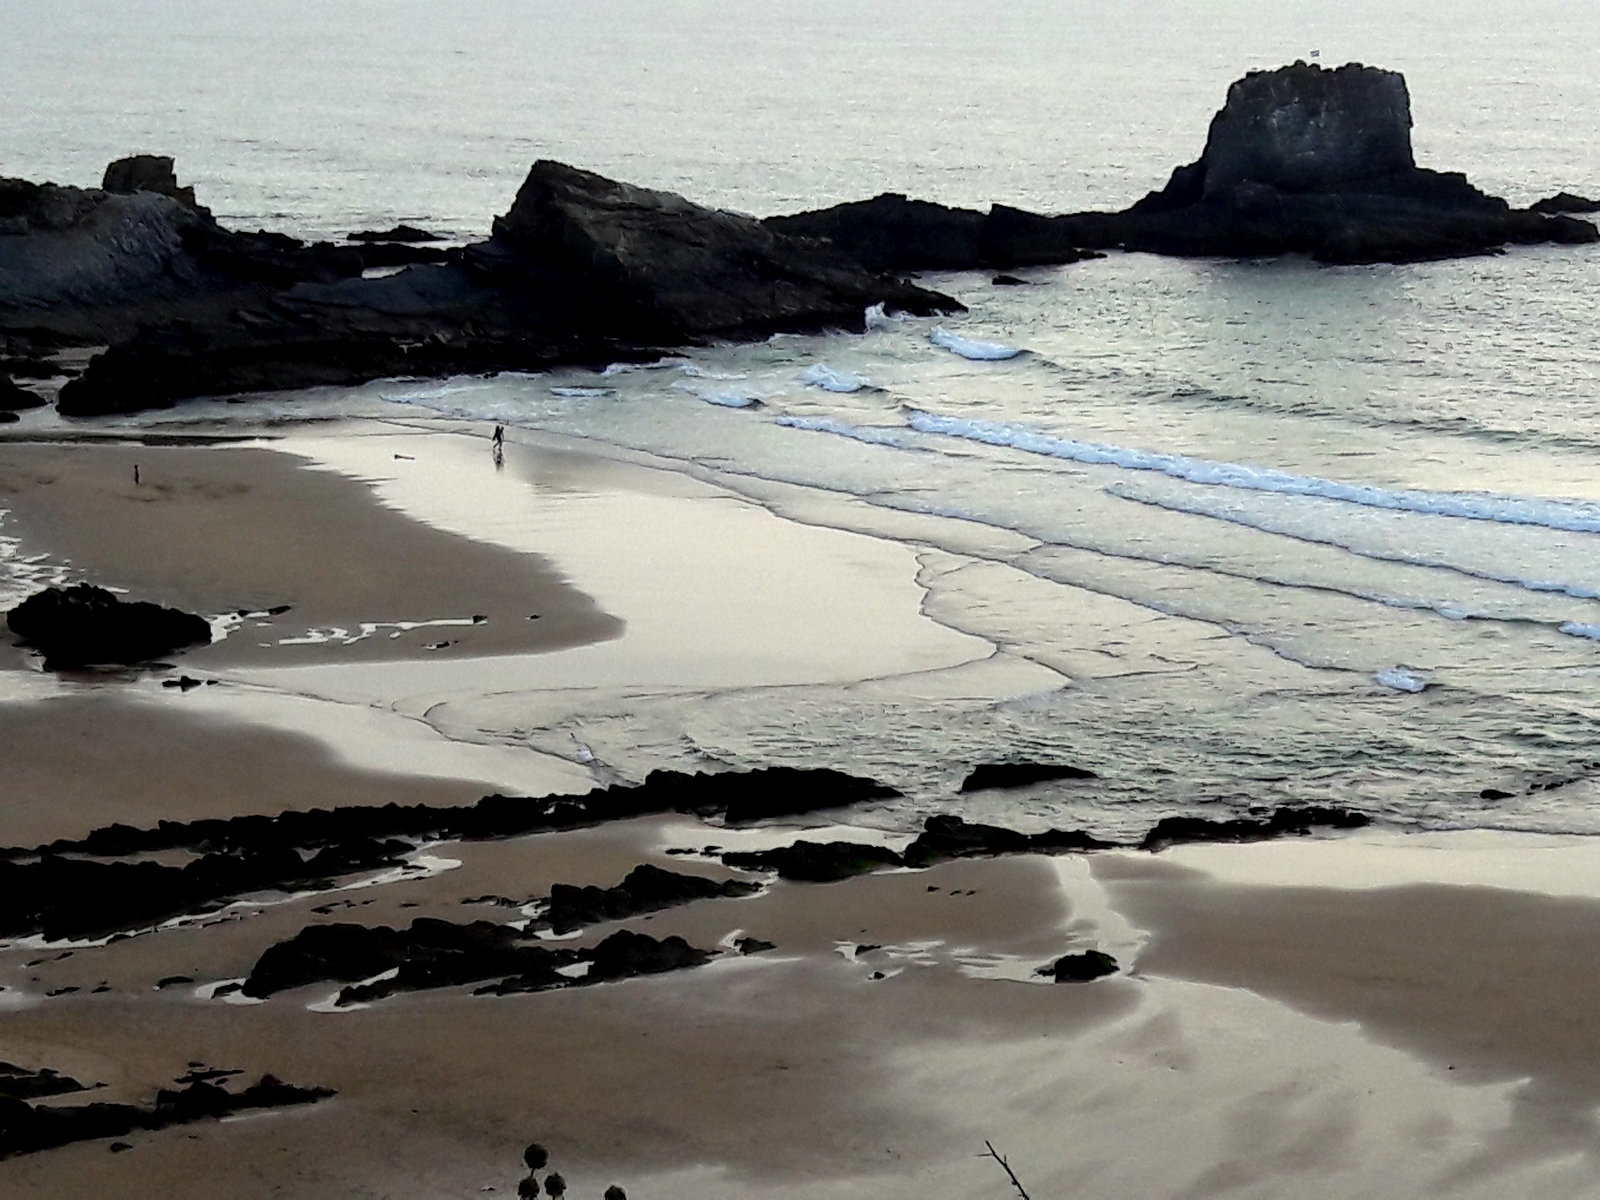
column 1300, row 160
column 1315, row 161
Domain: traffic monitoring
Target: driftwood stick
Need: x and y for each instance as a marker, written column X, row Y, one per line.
column 1005, row 1166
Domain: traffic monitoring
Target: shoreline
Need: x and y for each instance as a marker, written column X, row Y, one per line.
column 1376, row 1013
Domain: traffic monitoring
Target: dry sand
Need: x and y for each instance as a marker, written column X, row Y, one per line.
column 1378, row 1016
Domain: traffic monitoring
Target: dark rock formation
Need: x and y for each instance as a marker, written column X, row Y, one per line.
column 148, row 173
column 19, row 1083
column 1307, row 160
column 67, row 897
column 675, row 271
column 61, row 890
column 646, row 889
column 16, row 399
column 1565, row 202
column 1284, row 821
column 893, row 233
column 1299, row 160
column 816, row 862
column 1019, row 774
column 753, row 945
column 946, row 836
column 83, row 625
column 400, row 233
column 26, row 1128
column 87, row 266
column 435, row 954
column 581, row 269
column 1080, row 968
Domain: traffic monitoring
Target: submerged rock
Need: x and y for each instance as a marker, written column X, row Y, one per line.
column 1283, row 821
column 84, row 625
column 1019, row 774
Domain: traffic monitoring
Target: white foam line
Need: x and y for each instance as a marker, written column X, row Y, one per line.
column 1572, row 516
column 1578, row 591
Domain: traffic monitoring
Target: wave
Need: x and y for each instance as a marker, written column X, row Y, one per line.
column 1578, row 591
column 722, row 397
column 968, row 348
column 873, row 435
column 825, row 377
column 582, row 393
column 1573, row 516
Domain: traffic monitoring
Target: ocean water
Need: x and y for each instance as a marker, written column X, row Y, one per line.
column 1283, row 532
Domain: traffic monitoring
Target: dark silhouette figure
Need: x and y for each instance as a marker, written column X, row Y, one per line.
column 135, row 474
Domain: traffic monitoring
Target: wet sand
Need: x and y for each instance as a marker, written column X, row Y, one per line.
column 1376, row 1015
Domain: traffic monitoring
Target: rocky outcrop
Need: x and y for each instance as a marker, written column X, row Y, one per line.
column 105, row 883
column 86, row 625
column 1565, row 202
column 647, row 888
column 1300, row 160
column 1020, row 774
column 1315, row 161
column 29, row 1128
column 434, row 954
column 670, row 270
column 581, row 269
column 94, row 265
column 893, row 233
column 1281, row 822
column 17, row 399
column 148, row 173
column 1082, row 967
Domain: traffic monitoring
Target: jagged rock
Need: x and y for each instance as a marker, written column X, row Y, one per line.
column 945, row 836
column 1315, row 161
column 1019, row 774
column 625, row 954
column 15, row 399
column 1565, row 202
column 647, row 888
column 400, row 233
column 672, row 270
column 399, row 254
column 752, row 945
column 893, row 233
column 94, row 265
column 581, row 269
column 26, row 1128
column 148, row 173
column 1283, row 821
column 19, row 1083
column 816, row 862
column 1080, row 968
column 83, row 625
column 8, row 418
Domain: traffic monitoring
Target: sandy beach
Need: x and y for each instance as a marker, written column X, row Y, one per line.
column 1371, row 1014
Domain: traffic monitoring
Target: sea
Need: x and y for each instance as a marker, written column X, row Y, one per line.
column 1281, row 533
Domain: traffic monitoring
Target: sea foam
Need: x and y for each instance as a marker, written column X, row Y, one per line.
column 1571, row 515
column 825, row 377
column 967, row 348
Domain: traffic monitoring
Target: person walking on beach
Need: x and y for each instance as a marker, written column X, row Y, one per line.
column 498, row 442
